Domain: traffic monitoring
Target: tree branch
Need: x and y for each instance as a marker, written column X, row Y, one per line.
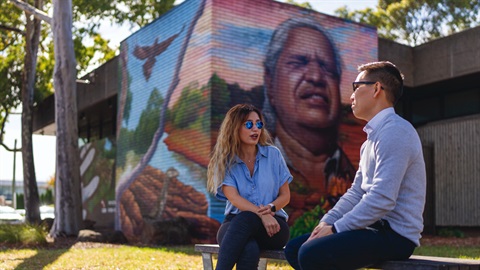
column 8, row 28
column 10, row 149
column 32, row 10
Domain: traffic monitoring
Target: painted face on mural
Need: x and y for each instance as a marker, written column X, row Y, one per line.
column 305, row 85
column 250, row 132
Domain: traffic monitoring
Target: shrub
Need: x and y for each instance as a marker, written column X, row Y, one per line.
column 307, row 222
column 22, row 234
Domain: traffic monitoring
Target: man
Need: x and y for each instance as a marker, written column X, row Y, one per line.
column 380, row 216
column 302, row 108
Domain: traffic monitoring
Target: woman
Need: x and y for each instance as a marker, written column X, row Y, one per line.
column 252, row 176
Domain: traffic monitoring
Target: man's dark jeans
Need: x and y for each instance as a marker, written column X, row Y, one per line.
column 350, row 249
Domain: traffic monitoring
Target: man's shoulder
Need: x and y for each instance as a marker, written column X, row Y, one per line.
column 398, row 131
column 396, row 122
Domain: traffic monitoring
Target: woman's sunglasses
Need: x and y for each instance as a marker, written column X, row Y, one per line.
column 249, row 124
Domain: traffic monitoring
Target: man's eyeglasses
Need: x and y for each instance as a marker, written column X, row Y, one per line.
column 249, row 124
column 357, row 84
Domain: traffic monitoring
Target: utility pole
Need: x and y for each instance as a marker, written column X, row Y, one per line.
column 14, row 193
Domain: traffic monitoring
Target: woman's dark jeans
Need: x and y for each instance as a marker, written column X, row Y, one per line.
column 242, row 236
column 350, row 249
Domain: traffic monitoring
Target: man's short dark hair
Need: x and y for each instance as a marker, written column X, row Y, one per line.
column 389, row 75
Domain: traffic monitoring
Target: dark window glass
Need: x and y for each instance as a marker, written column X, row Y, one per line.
column 426, row 110
column 462, row 103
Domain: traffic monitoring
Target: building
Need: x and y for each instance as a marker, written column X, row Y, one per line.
column 204, row 56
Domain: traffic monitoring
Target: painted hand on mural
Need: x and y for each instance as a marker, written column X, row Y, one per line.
column 91, row 186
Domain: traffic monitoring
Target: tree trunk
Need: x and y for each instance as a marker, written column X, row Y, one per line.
column 30, row 189
column 68, row 203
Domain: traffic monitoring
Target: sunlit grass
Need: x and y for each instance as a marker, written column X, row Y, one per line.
column 130, row 257
column 120, row 257
column 448, row 251
column 32, row 252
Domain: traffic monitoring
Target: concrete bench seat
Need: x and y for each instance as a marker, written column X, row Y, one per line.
column 415, row 262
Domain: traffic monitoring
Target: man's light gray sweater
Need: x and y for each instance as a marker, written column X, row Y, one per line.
column 390, row 183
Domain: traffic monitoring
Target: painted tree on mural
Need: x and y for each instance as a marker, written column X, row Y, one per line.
column 415, row 22
column 126, row 179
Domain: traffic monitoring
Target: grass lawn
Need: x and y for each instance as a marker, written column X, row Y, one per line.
column 108, row 256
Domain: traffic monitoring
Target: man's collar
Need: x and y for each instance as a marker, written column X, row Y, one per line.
column 377, row 119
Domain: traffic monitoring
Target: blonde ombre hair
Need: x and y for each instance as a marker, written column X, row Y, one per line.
column 228, row 143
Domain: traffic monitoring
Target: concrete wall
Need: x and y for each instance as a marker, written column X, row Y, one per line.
column 456, row 171
column 400, row 55
column 438, row 60
column 448, row 57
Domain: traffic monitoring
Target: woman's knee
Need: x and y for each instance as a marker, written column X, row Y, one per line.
column 247, row 216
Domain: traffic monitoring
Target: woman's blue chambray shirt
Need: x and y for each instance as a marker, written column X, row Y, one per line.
column 269, row 174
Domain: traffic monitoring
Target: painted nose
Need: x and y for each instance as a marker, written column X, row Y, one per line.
column 314, row 73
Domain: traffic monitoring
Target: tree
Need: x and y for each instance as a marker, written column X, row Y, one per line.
column 30, row 189
column 303, row 4
column 68, row 199
column 415, row 22
column 68, row 214
column 68, row 210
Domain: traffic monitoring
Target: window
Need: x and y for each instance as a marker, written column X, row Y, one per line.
column 426, row 110
column 462, row 103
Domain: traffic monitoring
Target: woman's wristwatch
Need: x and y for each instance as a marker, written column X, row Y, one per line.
column 272, row 207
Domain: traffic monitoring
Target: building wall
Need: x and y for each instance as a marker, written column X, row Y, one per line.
column 178, row 77
column 456, row 174
column 229, row 41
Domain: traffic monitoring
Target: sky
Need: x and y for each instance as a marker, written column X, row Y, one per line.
column 44, row 146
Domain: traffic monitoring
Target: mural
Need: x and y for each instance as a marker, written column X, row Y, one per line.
column 98, row 186
column 180, row 75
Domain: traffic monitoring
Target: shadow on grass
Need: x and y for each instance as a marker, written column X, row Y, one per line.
column 47, row 254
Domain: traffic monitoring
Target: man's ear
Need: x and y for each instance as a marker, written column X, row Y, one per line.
column 376, row 91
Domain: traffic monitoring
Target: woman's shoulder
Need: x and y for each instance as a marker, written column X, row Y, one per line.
column 269, row 150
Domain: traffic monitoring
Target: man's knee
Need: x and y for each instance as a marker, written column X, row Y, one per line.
column 315, row 257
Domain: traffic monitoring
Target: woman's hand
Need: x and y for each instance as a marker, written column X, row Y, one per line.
column 322, row 229
column 271, row 224
column 265, row 210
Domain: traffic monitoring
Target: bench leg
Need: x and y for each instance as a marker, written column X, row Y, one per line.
column 207, row 261
column 262, row 264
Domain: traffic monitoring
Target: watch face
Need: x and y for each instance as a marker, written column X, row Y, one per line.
column 273, row 208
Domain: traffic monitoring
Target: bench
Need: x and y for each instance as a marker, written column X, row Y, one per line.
column 208, row 249
column 415, row 262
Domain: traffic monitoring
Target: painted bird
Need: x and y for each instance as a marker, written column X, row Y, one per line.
column 151, row 52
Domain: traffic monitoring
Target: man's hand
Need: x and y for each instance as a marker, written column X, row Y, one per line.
column 322, row 229
column 271, row 224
